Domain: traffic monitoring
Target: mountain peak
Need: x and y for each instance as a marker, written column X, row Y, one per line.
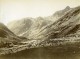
column 67, row 7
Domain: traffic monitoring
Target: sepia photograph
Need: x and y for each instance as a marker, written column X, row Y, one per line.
column 39, row 29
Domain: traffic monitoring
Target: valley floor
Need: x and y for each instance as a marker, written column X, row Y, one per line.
column 63, row 43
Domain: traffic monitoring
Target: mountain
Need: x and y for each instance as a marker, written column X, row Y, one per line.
column 28, row 27
column 21, row 25
column 34, row 34
column 65, row 25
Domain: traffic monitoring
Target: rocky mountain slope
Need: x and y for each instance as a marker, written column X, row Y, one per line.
column 65, row 25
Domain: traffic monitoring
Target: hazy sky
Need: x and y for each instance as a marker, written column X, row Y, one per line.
column 17, row 9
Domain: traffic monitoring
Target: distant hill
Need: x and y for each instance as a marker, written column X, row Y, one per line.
column 20, row 26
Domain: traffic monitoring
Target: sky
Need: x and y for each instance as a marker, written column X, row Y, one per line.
column 17, row 9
